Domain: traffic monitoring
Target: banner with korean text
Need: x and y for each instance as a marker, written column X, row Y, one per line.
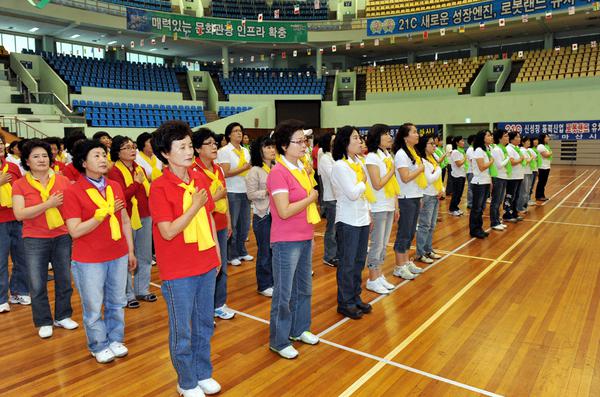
column 188, row 27
column 558, row 130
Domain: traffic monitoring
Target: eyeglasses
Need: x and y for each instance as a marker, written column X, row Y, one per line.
column 300, row 142
column 213, row 143
column 129, row 147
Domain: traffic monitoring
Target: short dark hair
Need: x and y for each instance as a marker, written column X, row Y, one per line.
column 21, row 142
column 470, row 139
column 283, row 133
column 72, row 139
column 11, row 146
column 325, row 142
column 542, row 138
column 374, row 136
column 202, row 135
column 115, row 149
column 479, row 140
column 498, row 134
column 400, row 143
column 141, row 140
column 525, row 139
column 100, row 134
column 512, row 135
column 166, row 134
column 421, row 146
column 219, row 138
column 230, row 128
column 256, row 147
column 28, row 148
column 53, row 140
column 341, row 142
column 455, row 141
column 81, row 151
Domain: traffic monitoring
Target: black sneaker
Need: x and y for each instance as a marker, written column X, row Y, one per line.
column 353, row 312
column 331, row 262
column 364, row 307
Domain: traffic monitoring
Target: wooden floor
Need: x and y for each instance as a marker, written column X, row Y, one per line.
column 517, row 314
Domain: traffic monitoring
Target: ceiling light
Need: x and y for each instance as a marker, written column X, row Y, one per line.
column 75, row 36
column 111, row 42
column 34, row 29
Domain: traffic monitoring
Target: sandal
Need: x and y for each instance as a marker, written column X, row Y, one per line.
column 133, row 304
column 147, row 298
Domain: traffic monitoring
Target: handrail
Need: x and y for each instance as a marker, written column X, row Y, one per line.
column 66, row 114
column 21, row 128
column 23, row 75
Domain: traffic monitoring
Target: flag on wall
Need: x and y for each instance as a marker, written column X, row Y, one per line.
column 276, row 14
column 520, row 54
column 295, row 53
column 308, row 52
column 393, row 40
column 164, row 38
column 362, row 44
column 262, row 57
column 283, row 55
column 241, row 59
column 418, row 66
column 320, row 51
column 317, row 4
column 524, row 18
column 442, row 31
column 243, row 22
column 548, row 15
column 593, row 44
column 252, row 58
column 348, row 46
column 574, row 47
column 132, row 44
column 501, row 22
column 481, row 25
column 153, row 41
column 376, row 42
column 572, row 10
column 296, row 9
column 425, row 35
column 260, row 17
column 333, row 48
column 461, row 29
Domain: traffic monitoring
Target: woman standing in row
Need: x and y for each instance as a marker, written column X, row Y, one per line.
column 515, row 179
column 384, row 211
column 328, row 204
column 484, row 169
column 262, row 155
column 499, row 182
column 528, row 166
column 545, row 153
column 459, row 165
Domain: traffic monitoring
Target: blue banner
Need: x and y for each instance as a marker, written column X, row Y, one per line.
column 465, row 15
column 558, row 130
column 423, row 129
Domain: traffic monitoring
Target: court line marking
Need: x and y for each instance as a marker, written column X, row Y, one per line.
column 581, row 208
column 572, row 224
column 377, row 367
column 588, row 193
column 385, row 361
column 154, row 284
column 557, row 193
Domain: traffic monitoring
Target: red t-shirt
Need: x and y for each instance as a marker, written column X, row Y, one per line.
column 136, row 190
column 38, row 227
column 220, row 219
column 176, row 258
column 96, row 246
column 71, row 172
column 7, row 214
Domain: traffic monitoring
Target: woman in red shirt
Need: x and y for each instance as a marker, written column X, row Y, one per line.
column 181, row 208
column 11, row 241
column 136, row 186
column 37, row 199
column 97, row 220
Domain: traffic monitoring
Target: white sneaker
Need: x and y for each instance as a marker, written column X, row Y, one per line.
column 195, row 392
column 267, row 292
column 434, row 255
column 104, row 356
column 414, row 269
column 306, row 337
column 504, row 225
column 376, row 286
column 461, row 212
column 66, row 323
column 288, row 352
column 385, row 283
column 20, row 299
column 118, row 349
column 223, row 313
column 498, row 227
column 403, row 272
column 5, row 307
column 455, row 213
column 45, row 331
column 235, row 262
column 531, row 203
column 209, row 386
column 246, row 258
column 425, row 259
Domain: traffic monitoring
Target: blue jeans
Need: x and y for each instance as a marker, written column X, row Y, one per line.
column 510, row 199
column 239, row 210
column 380, row 235
column 264, row 255
column 292, row 291
column 480, row 193
column 330, row 243
column 221, row 281
column 11, row 241
column 190, row 305
column 352, row 245
column 524, row 192
column 142, row 240
column 498, row 192
column 407, row 224
column 98, row 284
column 458, row 187
column 469, row 189
column 38, row 253
column 427, row 221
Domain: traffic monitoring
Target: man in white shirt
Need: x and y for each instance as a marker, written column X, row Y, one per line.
column 234, row 159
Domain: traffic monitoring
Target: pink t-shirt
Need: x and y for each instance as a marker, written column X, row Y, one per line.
column 295, row 228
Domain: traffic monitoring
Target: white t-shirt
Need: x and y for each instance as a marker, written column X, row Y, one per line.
column 383, row 203
column 431, row 177
column 533, row 155
column 12, row 159
column 457, row 171
column 517, row 169
column 528, row 159
column 325, row 167
column 500, row 162
column 469, row 155
column 146, row 166
column 225, row 155
column 410, row 189
column 352, row 208
column 480, row 177
column 545, row 161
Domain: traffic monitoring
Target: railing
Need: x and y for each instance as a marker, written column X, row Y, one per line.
column 21, row 128
column 49, row 98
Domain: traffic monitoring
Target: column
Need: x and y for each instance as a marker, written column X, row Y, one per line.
column 225, row 57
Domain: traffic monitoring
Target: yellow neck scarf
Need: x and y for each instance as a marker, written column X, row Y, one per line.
column 240, row 153
column 220, row 205
column 312, row 214
column 60, row 157
column 6, row 191
column 420, row 179
column 266, row 168
column 360, row 174
column 53, row 217
column 198, row 230
column 106, row 207
column 153, row 161
column 306, row 161
column 437, row 184
column 392, row 187
column 136, row 220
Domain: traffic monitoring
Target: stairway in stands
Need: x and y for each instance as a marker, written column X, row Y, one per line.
column 512, row 77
